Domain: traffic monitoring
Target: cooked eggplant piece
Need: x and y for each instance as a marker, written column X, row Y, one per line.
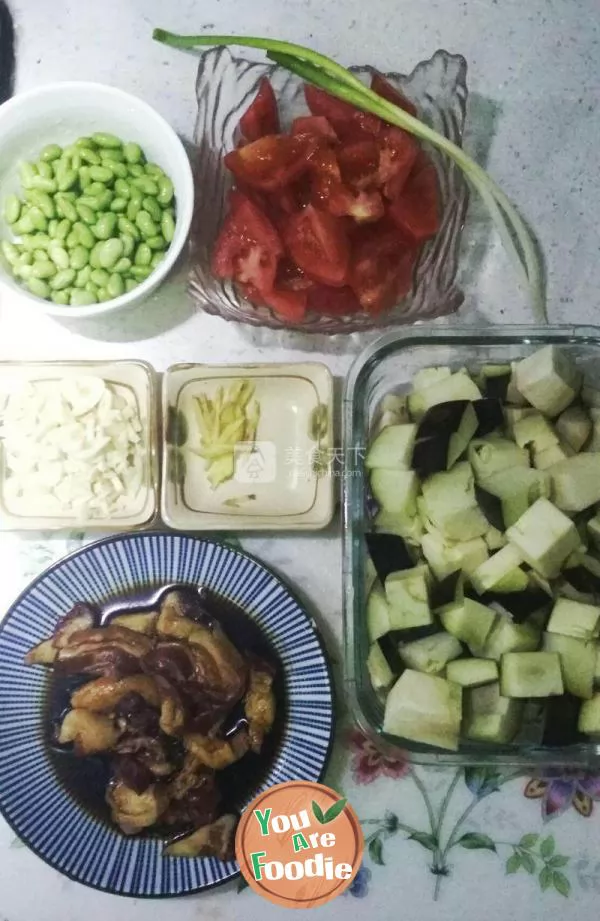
column 194, row 796
column 490, row 416
column 149, row 751
column 139, row 623
column 259, row 705
column 389, row 553
column 112, row 652
column 218, row 753
column 44, row 653
column 443, row 435
column 82, row 616
column 89, row 732
column 214, row 840
column 104, row 694
column 132, row 811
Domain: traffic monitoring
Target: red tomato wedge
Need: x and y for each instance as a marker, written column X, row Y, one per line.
column 272, row 161
column 318, row 244
column 359, row 164
column 384, row 88
column 334, row 302
column 381, row 268
column 398, row 154
column 416, row 211
column 349, row 123
column 291, row 278
column 291, row 305
column 248, row 247
column 331, row 193
column 262, row 116
column 314, row 124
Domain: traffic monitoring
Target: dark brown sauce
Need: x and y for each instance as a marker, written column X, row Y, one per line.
column 86, row 779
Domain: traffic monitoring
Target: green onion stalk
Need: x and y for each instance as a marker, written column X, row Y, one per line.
column 340, row 82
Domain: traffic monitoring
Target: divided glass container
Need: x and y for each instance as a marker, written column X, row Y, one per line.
column 389, row 365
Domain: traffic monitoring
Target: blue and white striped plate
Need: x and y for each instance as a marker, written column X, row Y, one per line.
column 39, row 809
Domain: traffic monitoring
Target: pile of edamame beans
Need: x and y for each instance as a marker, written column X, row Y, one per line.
column 94, row 221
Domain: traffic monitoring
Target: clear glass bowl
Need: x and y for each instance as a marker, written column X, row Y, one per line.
column 389, row 365
column 225, row 87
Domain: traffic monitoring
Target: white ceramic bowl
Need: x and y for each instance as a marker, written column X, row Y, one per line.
column 60, row 113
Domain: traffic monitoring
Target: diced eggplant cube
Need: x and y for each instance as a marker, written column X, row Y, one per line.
column 546, row 459
column 519, row 606
column 469, row 622
column 534, row 430
column 443, row 435
column 505, row 636
column 530, row 674
column 430, row 654
column 572, row 618
column 576, row 482
column 427, row 377
column 408, row 598
column 516, row 489
column 549, row 380
column 445, row 557
column 389, row 553
column 501, row 573
column 490, row 416
column 494, row 538
column 458, row 386
column 392, row 448
column 407, row 526
column 493, row 381
column 395, row 490
column 492, row 454
column 489, row 717
column 448, row 590
column 393, row 410
column 593, row 527
column 378, row 613
column 380, row 672
column 424, row 708
column 450, row 504
column 512, row 414
column 577, row 662
column 544, row 537
column 589, row 717
column 472, row 673
column 574, row 427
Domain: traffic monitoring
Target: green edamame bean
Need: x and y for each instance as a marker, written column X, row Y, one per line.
column 130, row 284
column 112, row 155
column 85, row 180
column 24, row 225
column 140, row 272
column 118, row 205
column 157, row 258
column 128, row 227
column 153, row 170
column 95, row 188
column 27, row 172
column 61, row 297
column 79, row 257
column 84, row 235
column 38, row 218
column 116, row 285
column 53, row 226
column 76, row 162
column 145, row 223
column 110, row 252
column 45, row 185
column 51, row 152
column 62, row 279
column 122, row 188
column 85, row 213
column 43, row 202
column 146, row 185
column 95, row 255
column 152, row 207
column 72, row 240
column 91, row 288
column 39, row 255
column 90, row 156
column 43, row 269
column 12, row 209
column 82, row 298
column 123, row 265
column 88, row 201
column 83, row 276
column 119, row 169
column 128, row 243
column 11, row 253
column 63, row 230
column 38, row 287
column 65, row 179
column 136, row 170
column 103, row 295
column 31, row 242
column 105, row 226
column 136, row 196
column 85, row 142
column 133, row 207
column 143, row 255
column 25, row 259
column 104, row 139
column 157, row 243
column 167, row 226
column 132, row 152
column 59, row 256
column 100, row 277
column 65, row 208
column 104, row 200
column 165, row 191
column 23, row 270
column 101, row 173
column 44, row 170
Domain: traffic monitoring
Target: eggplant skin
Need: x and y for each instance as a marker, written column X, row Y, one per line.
column 491, row 507
column 389, row 553
column 490, row 416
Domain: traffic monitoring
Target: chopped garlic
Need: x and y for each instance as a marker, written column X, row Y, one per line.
column 72, row 448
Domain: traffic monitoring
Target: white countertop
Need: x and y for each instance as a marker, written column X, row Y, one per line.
column 534, row 113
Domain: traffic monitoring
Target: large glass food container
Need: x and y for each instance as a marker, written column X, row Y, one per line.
column 389, row 365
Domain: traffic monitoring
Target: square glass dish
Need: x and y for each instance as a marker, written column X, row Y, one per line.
column 132, row 384
column 225, row 87
column 389, row 366
column 247, row 447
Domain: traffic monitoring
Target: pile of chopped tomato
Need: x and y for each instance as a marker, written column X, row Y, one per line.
column 329, row 217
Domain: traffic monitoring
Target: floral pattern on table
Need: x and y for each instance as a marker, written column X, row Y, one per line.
column 536, row 853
